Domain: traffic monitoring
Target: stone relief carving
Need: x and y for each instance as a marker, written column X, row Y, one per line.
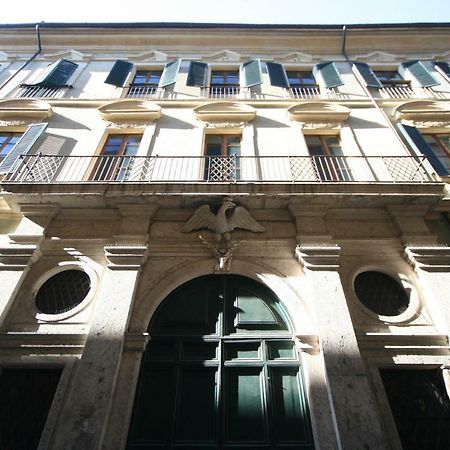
column 228, row 218
column 225, row 125
column 14, row 123
column 127, row 124
column 432, row 123
column 319, row 125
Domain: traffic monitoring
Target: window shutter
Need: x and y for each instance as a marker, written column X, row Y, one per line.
column 56, row 74
column 420, row 73
column 277, row 75
column 119, row 73
column 368, row 75
column 170, row 73
column 418, row 142
column 198, row 74
column 251, row 71
column 23, row 146
column 444, row 67
column 329, row 73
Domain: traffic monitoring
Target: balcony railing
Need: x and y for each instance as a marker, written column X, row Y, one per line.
column 223, row 92
column 41, row 91
column 407, row 92
column 143, row 91
column 41, row 168
column 314, row 93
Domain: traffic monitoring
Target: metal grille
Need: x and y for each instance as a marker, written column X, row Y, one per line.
column 420, row 406
column 43, row 168
column 404, row 169
column 303, row 169
column 26, row 397
column 381, row 293
column 222, row 168
column 63, row 291
column 40, row 92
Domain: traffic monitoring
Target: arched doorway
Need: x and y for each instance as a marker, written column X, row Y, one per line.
column 221, row 371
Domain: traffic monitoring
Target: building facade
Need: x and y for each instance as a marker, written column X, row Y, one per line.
column 224, row 236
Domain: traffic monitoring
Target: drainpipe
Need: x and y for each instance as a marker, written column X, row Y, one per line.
column 39, row 50
column 368, row 93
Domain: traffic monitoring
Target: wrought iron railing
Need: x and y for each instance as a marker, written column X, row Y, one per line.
column 223, row 92
column 405, row 92
column 314, row 93
column 41, row 168
column 41, row 91
column 143, row 91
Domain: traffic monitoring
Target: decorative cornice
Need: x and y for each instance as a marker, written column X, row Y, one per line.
column 318, row 258
column 321, row 125
column 423, row 111
column 18, row 111
column 16, row 257
column 136, row 342
column 225, row 112
column 125, row 257
column 319, row 113
column 130, row 112
column 430, row 259
column 225, row 125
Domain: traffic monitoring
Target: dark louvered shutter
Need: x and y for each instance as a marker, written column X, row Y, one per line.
column 277, row 75
column 23, row 146
column 170, row 73
column 198, row 74
column 420, row 73
column 420, row 143
column 56, row 74
column 444, row 67
column 330, row 74
column 251, row 71
column 119, row 73
column 368, row 75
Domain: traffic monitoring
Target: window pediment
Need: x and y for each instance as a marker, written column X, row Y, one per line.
column 134, row 110
column 225, row 55
column 225, row 112
column 24, row 110
column 425, row 112
column 322, row 112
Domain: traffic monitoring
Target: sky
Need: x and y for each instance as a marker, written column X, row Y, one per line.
column 228, row 11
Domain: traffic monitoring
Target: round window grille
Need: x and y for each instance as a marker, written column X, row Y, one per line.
column 63, row 291
column 381, row 293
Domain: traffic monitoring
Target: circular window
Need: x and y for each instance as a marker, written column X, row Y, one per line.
column 381, row 293
column 63, row 291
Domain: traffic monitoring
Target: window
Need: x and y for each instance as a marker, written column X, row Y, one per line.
column 221, row 371
column 302, row 78
column 63, row 291
column 329, row 162
column 222, row 153
column 224, row 83
column 7, row 143
column 381, row 293
column 390, row 78
column 440, row 145
column 116, row 160
column 420, row 406
column 26, row 397
column 145, row 82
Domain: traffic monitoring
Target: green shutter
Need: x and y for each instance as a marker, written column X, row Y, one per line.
column 23, row 146
column 119, row 73
column 170, row 73
column 277, row 75
column 329, row 73
column 420, row 73
column 56, row 74
column 198, row 74
column 251, row 72
column 444, row 67
column 368, row 75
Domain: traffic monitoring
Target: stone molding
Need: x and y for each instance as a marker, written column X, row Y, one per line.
column 419, row 111
column 225, row 112
column 130, row 112
column 136, row 342
column 318, row 258
column 125, row 257
column 319, row 114
column 308, row 343
column 17, row 257
column 430, row 259
column 15, row 112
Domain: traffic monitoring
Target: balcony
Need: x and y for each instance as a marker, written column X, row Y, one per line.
column 314, row 93
column 29, row 91
column 230, row 169
column 143, row 91
column 405, row 91
column 223, row 92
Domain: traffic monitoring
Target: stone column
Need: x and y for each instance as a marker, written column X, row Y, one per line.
column 355, row 412
column 432, row 266
column 85, row 413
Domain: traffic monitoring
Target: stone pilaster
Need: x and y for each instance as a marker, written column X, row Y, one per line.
column 432, row 266
column 356, row 420
column 85, row 414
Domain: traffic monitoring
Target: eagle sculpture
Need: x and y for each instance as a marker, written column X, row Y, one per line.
column 224, row 222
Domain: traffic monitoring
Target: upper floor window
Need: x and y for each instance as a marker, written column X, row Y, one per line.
column 330, row 164
column 7, row 143
column 222, row 153
column 390, row 77
column 301, row 78
column 115, row 163
column 224, row 83
column 145, row 82
column 440, row 144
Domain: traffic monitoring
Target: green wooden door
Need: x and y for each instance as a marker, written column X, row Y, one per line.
column 220, row 372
